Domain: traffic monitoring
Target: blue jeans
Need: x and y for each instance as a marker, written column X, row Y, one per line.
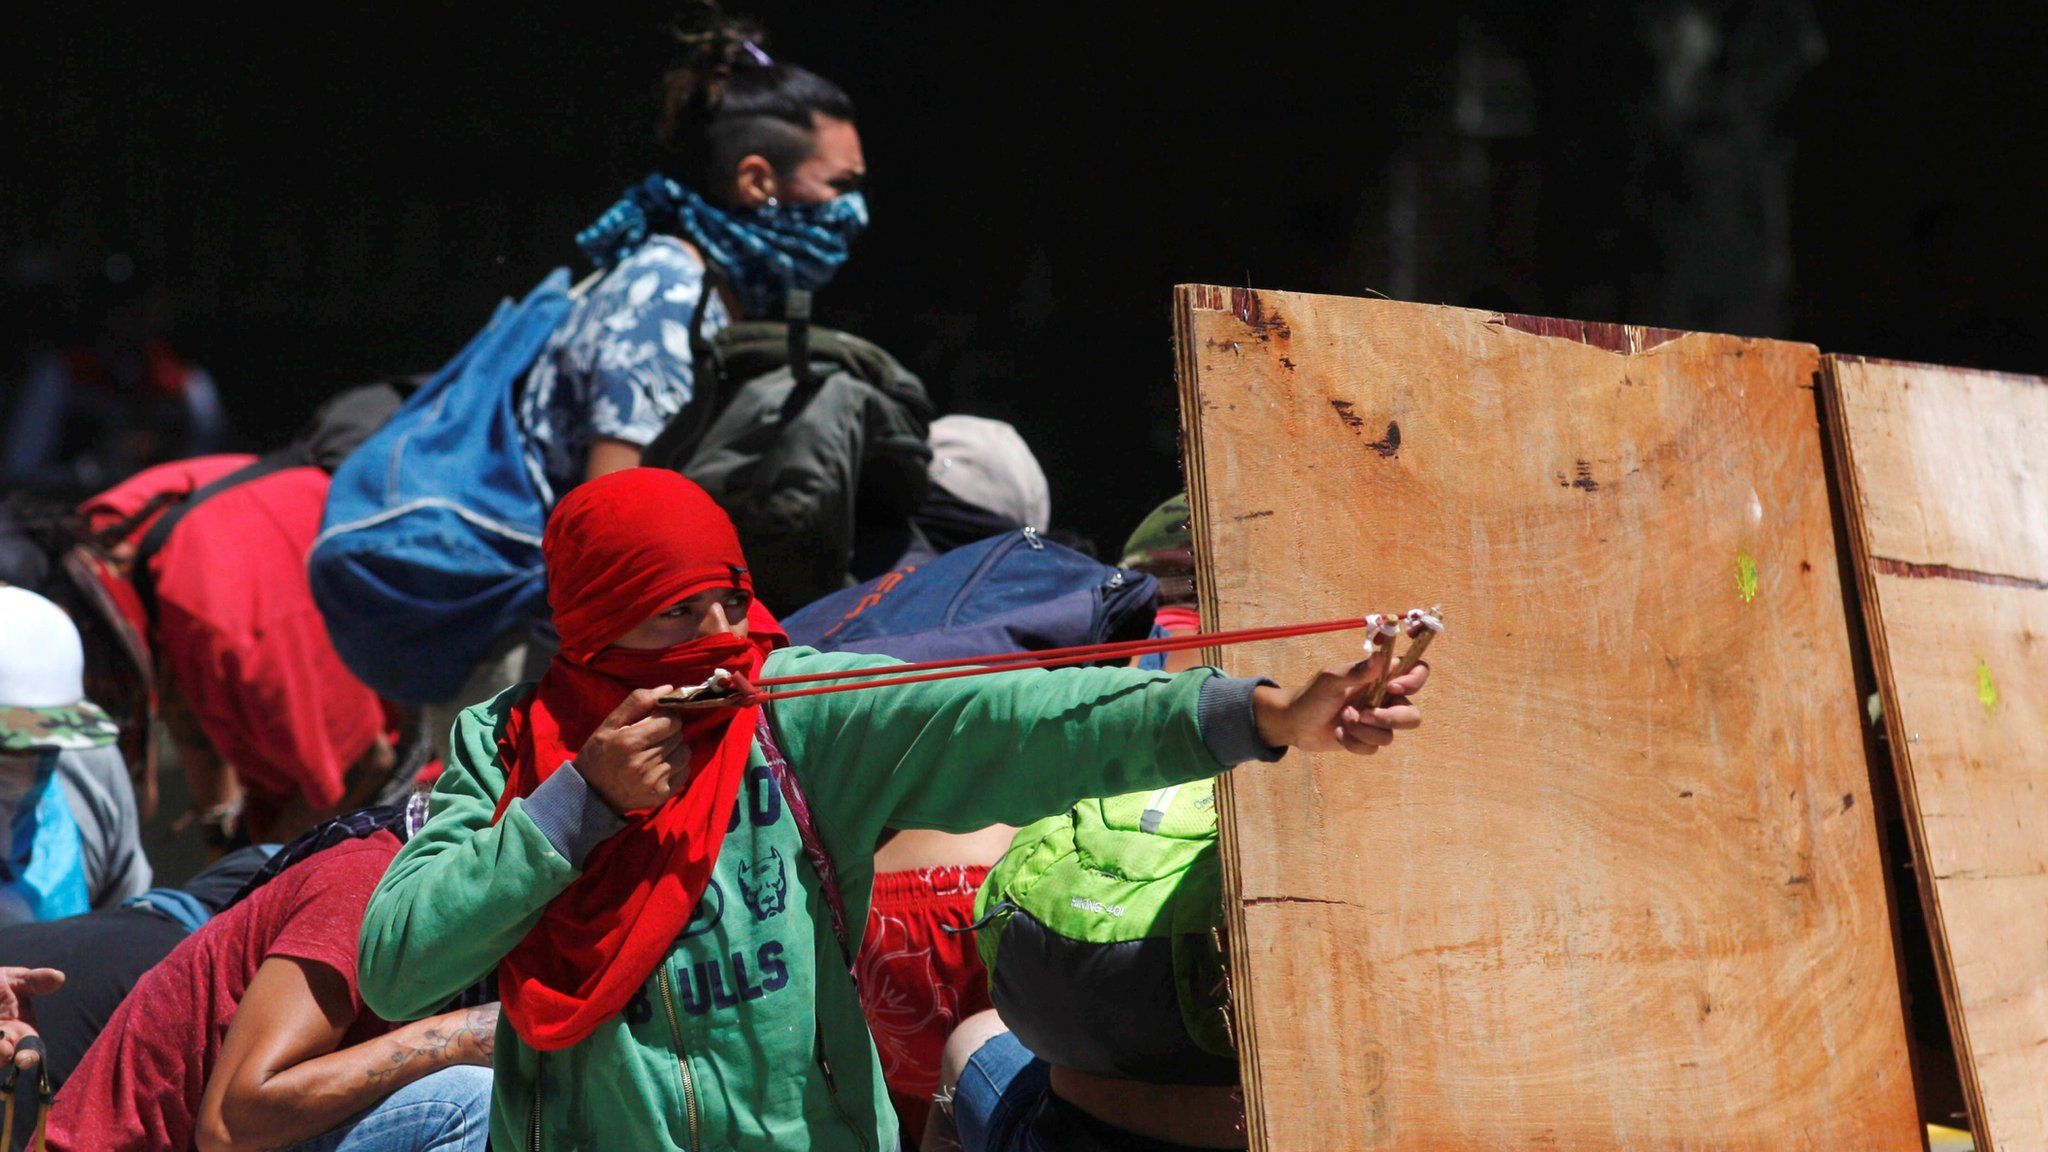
column 1004, row 1103
column 448, row 1111
column 996, row 1092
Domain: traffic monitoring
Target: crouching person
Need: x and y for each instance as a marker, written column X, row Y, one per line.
column 252, row 1034
column 69, row 838
column 666, row 895
column 1101, row 932
column 1101, row 929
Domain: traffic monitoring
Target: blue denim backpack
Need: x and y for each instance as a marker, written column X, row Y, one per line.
column 1009, row 593
column 429, row 550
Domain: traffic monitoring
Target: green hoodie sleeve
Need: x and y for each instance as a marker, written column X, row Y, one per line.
column 1008, row 748
column 463, row 891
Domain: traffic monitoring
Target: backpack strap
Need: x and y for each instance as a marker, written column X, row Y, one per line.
column 159, row 534
column 796, row 313
column 814, row 848
column 701, row 350
column 672, row 447
column 828, row 878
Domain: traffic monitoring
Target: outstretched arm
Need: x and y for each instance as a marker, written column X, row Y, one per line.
column 1012, row 747
column 281, row 1076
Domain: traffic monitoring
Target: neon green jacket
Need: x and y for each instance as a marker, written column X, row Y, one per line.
column 728, row 1043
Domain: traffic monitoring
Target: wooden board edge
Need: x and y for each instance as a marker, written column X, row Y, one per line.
column 1187, row 298
column 1922, row 365
column 1841, row 441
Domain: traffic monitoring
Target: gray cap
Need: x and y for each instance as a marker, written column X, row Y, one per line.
column 987, row 464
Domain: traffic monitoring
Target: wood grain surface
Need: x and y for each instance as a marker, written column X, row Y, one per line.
column 1623, row 890
column 1945, row 482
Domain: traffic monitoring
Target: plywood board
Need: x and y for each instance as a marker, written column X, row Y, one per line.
column 1624, row 891
column 1945, row 483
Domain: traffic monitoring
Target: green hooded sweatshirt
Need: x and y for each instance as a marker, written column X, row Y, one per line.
column 750, row 1035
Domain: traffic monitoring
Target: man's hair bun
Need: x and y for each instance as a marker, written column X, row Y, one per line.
column 714, row 46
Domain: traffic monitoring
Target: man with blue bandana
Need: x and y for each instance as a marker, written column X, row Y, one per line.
column 758, row 193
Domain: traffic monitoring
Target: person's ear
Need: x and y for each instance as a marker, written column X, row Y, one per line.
column 753, row 182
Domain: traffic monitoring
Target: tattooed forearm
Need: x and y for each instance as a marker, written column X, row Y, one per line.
column 430, row 1047
column 465, row 1037
column 480, row 1026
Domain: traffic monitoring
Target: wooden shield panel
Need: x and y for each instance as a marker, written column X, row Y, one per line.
column 1945, row 479
column 1623, row 891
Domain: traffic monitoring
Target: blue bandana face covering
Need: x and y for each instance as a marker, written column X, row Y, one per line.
column 762, row 254
column 42, row 862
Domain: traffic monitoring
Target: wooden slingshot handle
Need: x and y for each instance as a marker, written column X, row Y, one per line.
column 1407, row 665
column 1429, row 623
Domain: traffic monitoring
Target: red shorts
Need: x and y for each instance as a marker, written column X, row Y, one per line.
column 917, row 982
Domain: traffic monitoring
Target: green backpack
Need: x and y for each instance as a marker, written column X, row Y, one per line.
column 1099, row 931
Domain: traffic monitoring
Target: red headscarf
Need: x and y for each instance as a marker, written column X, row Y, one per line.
column 619, row 550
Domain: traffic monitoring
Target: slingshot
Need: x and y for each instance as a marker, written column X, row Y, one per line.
column 726, row 689
column 44, row 1095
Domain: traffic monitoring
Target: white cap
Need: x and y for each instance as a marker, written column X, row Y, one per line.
column 987, row 464
column 42, row 662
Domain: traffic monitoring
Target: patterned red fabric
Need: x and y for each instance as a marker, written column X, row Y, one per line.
column 917, row 982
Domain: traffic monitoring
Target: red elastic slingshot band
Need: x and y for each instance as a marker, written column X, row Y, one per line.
column 854, row 679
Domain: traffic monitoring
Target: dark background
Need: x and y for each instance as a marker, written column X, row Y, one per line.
column 338, row 194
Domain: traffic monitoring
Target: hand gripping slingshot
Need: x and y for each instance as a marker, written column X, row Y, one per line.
column 729, row 689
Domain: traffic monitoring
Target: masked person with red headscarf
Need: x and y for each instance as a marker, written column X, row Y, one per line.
column 666, row 895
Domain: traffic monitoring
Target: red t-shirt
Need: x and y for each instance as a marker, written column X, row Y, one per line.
column 239, row 634
column 138, row 1086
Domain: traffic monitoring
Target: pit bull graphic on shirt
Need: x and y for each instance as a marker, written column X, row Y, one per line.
column 764, row 884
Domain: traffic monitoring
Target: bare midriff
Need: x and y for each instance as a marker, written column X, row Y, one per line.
column 917, row 848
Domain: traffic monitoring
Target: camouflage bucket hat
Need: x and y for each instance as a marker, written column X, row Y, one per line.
column 67, row 728
column 1165, row 536
column 1163, row 547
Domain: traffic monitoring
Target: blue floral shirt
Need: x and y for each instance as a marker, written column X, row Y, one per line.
column 620, row 364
